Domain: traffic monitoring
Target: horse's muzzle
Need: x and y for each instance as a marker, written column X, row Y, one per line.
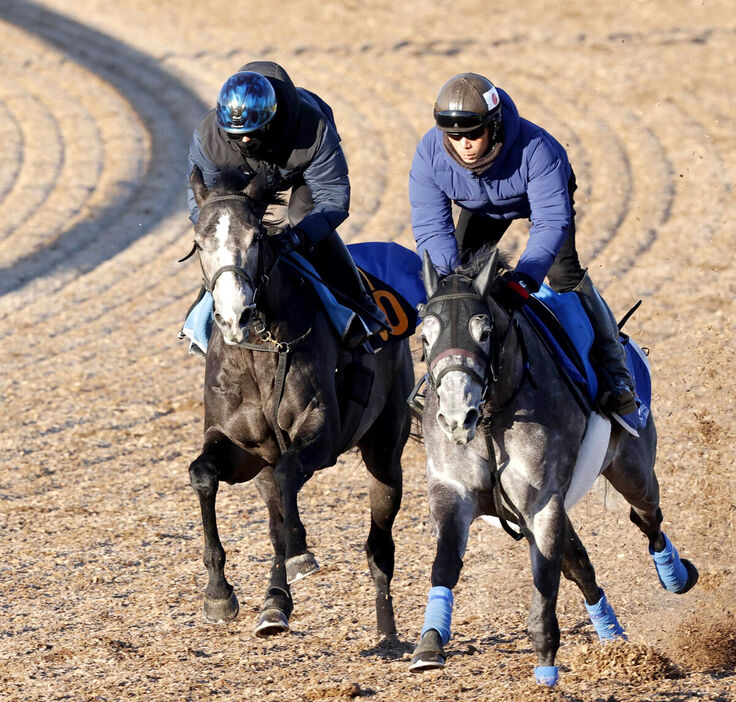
column 459, row 425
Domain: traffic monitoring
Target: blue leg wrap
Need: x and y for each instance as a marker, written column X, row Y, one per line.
column 438, row 614
column 604, row 620
column 547, row 674
column 670, row 570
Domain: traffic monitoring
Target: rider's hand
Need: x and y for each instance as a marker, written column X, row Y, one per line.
column 290, row 240
column 514, row 293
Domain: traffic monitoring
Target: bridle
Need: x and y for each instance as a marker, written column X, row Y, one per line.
column 258, row 323
column 259, row 238
column 476, row 359
column 490, row 362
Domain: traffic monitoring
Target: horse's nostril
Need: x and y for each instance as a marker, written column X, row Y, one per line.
column 471, row 418
column 442, row 421
column 219, row 319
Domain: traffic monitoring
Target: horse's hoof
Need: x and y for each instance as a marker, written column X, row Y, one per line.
column 271, row 622
column 692, row 576
column 429, row 653
column 300, row 567
column 426, row 661
column 220, row 611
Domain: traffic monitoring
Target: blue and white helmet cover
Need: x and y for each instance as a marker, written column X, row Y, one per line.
column 246, row 102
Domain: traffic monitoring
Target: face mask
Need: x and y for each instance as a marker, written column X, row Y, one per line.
column 252, row 147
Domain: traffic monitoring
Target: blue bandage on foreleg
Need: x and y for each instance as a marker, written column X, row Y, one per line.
column 670, row 570
column 604, row 620
column 547, row 674
column 438, row 614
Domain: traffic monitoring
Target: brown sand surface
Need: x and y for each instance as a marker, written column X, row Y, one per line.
column 100, row 561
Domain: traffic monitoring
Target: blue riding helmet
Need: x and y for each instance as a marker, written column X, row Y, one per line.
column 246, row 102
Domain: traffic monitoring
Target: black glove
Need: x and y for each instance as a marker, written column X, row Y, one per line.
column 290, row 240
column 515, row 290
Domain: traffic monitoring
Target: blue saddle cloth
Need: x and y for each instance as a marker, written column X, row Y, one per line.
column 574, row 321
column 392, row 273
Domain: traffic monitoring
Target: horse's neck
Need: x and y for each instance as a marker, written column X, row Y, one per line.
column 531, row 357
column 288, row 304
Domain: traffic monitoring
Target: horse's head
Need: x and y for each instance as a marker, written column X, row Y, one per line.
column 458, row 332
column 229, row 237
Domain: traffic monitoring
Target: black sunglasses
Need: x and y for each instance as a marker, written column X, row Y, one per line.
column 475, row 134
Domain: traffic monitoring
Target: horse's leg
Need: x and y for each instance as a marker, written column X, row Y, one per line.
column 452, row 512
column 546, row 545
column 576, row 566
column 632, row 474
column 290, row 478
column 220, row 603
column 278, row 605
column 381, row 448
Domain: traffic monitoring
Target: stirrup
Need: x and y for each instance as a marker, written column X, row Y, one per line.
column 416, row 398
column 624, row 424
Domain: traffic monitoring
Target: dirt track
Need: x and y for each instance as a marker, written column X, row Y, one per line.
column 101, row 560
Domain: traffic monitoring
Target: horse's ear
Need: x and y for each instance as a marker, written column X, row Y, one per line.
column 483, row 281
column 429, row 275
column 196, row 182
column 257, row 186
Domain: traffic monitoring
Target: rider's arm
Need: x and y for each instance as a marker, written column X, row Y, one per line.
column 431, row 215
column 210, row 172
column 327, row 179
column 549, row 203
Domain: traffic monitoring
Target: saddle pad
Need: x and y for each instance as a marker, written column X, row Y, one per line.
column 394, row 265
column 569, row 317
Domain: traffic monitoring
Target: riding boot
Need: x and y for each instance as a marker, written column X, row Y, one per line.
column 607, row 350
column 334, row 263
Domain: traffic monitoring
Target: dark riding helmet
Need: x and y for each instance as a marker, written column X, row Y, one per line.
column 465, row 103
column 246, row 102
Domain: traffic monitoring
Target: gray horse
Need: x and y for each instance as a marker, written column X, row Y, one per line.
column 273, row 404
column 505, row 436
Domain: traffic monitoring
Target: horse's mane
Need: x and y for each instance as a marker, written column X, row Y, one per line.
column 236, row 182
column 474, row 265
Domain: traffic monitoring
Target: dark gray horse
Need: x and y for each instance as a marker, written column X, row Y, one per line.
column 272, row 404
column 523, row 465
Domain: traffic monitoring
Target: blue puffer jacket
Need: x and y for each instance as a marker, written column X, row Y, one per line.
column 529, row 178
column 306, row 151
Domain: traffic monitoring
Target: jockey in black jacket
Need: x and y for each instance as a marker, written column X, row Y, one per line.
column 263, row 123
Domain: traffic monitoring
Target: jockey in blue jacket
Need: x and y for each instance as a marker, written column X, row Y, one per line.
column 498, row 167
column 262, row 122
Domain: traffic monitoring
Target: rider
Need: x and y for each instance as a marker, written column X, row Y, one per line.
column 263, row 122
column 498, row 167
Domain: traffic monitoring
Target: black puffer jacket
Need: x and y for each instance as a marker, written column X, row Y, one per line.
column 303, row 149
